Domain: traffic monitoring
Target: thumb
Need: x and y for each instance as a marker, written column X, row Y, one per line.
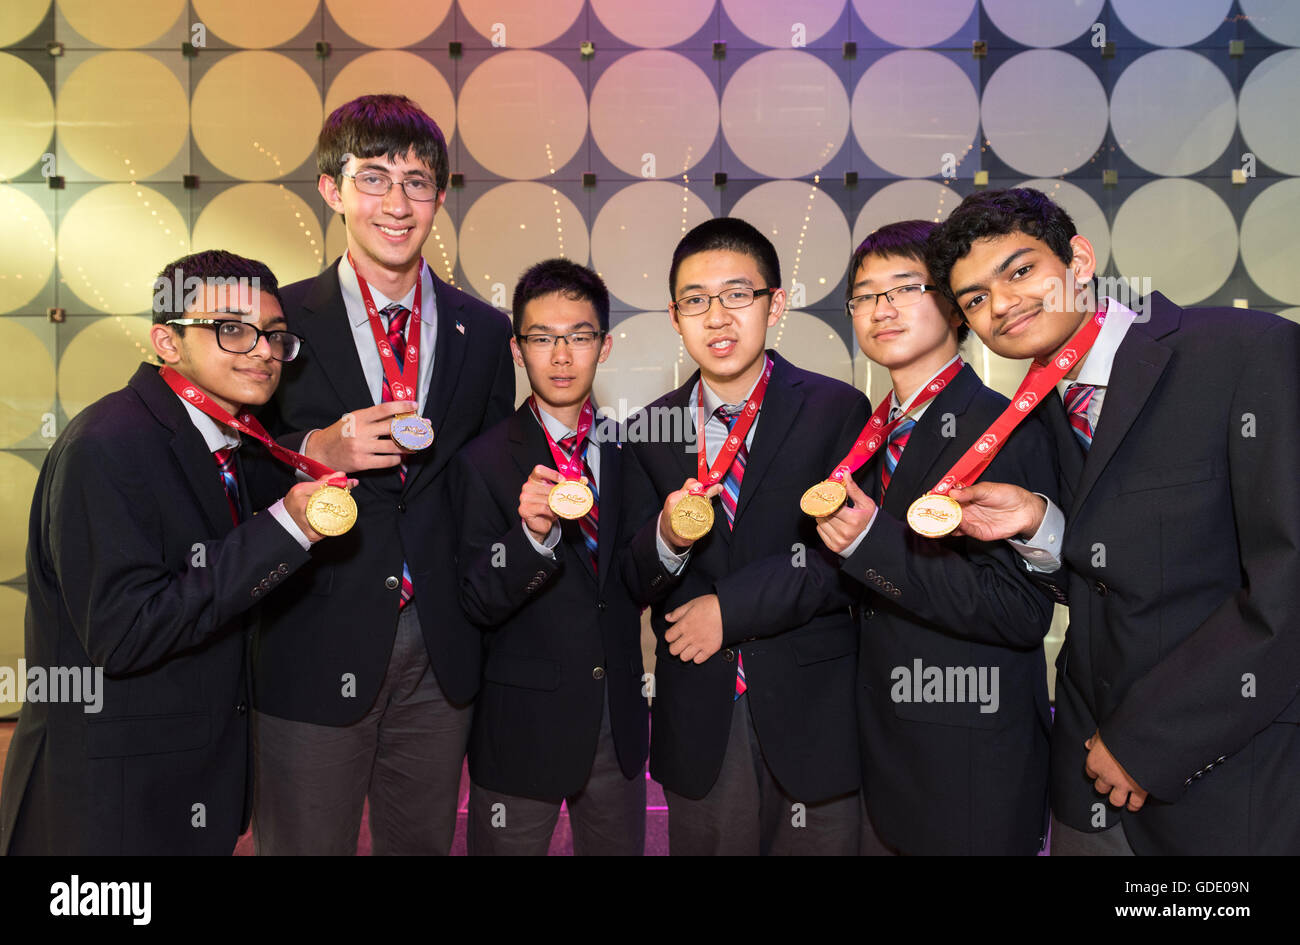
column 968, row 494
column 855, row 492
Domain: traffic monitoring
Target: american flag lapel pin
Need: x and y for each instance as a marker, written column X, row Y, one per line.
column 460, row 328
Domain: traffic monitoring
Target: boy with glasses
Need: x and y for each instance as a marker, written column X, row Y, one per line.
column 144, row 561
column 538, row 498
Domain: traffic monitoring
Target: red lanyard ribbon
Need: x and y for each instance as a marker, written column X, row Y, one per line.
column 570, row 468
column 707, row 475
column 403, row 380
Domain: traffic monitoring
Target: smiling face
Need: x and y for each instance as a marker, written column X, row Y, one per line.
column 560, row 376
column 1019, row 297
column 233, row 380
column 727, row 343
column 384, row 232
column 919, row 335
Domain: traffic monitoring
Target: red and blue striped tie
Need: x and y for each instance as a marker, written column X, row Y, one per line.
column 590, row 523
column 730, row 494
column 894, row 447
column 398, row 314
column 1078, row 397
column 225, row 458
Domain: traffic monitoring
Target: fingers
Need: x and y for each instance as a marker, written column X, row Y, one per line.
column 975, row 493
column 386, row 411
column 1135, row 801
column 856, row 495
column 546, row 475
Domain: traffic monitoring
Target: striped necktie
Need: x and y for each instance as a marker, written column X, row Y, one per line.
column 894, row 447
column 730, row 494
column 1078, row 397
column 225, row 458
column 590, row 523
column 397, row 317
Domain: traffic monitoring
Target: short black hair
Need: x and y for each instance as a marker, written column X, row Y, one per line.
column 390, row 125
column 906, row 238
column 173, row 285
column 728, row 234
column 997, row 213
column 565, row 277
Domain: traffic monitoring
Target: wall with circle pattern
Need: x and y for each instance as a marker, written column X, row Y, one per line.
column 143, row 93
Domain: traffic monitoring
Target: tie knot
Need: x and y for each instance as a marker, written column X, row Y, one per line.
column 224, row 455
column 727, row 415
column 568, row 443
column 903, row 429
column 1078, row 396
column 397, row 316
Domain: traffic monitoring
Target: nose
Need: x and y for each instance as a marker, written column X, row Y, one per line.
column 560, row 353
column 262, row 349
column 1002, row 300
column 717, row 314
column 396, row 202
column 884, row 309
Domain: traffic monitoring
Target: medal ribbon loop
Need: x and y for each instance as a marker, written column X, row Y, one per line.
column 404, row 378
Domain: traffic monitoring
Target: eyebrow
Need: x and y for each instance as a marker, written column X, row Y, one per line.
column 1005, row 264
column 372, row 166
column 734, row 280
column 910, row 274
column 241, row 315
column 583, row 325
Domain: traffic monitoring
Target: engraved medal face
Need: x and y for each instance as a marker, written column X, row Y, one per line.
column 570, row 499
column 934, row 515
column 411, row 432
column 692, row 517
column 823, row 498
column 331, row 510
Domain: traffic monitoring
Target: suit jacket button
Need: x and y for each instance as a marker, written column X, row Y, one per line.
column 871, row 572
column 392, row 583
column 283, row 568
column 601, row 605
column 539, row 576
column 657, row 580
column 257, row 592
column 1100, row 588
column 598, row 673
column 401, row 506
column 242, row 708
column 728, row 654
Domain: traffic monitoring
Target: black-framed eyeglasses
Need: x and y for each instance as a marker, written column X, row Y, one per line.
column 239, row 337
column 900, row 296
column 736, row 297
column 577, row 340
column 378, row 185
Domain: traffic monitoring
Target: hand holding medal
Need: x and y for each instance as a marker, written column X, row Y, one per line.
column 569, row 497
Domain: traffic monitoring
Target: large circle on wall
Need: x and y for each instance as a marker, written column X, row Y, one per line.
column 511, row 227
column 114, row 240
column 256, row 115
column 17, row 486
column 915, row 23
column 1269, row 93
column 28, row 239
column 26, row 114
column 1173, row 112
column 256, row 24
column 523, row 114
column 1035, row 23
column 1279, row 20
column 26, row 382
column 287, row 236
column 785, row 113
column 19, row 18
column 808, row 230
column 1179, row 233
column 101, row 358
column 1270, row 231
column 401, row 72
column 1089, row 220
column 388, row 23
column 904, row 200
column 634, row 234
column 1044, row 112
column 439, row 248
column 521, row 24
column 1158, row 25
column 779, row 22
column 911, row 109
column 810, row 343
column 121, row 24
column 663, row 23
column 654, row 113
column 13, row 606
column 646, row 360
column 122, row 115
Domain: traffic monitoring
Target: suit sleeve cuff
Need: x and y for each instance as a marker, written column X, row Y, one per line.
column 281, row 515
column 861, row 535
column 545, row 547
column 671, row 560
column 302, row 448
column 1042, row 552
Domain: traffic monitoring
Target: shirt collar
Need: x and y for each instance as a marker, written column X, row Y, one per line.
column 895, row 406
column 216, row 435
column 1101, row 358
column 351, row 289
column 555, row 428
column 712, row 401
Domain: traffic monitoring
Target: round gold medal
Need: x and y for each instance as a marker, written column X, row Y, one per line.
column 411, row 432
column 824, row 498
column 934, row 515
column 570, row 499
column 692, row 517
column 331, row 510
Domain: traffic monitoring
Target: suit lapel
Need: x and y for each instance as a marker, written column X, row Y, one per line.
column 1068, row 449
column 611, row 478
column 929, row 454
column 328, row 331
column 781, row 405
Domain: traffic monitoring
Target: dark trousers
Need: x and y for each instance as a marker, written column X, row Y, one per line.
column 1066, row 841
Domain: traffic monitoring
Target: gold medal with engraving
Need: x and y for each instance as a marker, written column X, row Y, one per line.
column 692, row 517
column 570, row 499
column 331, row 510
column 824, row 498
column 411, row 431
column 934, row 515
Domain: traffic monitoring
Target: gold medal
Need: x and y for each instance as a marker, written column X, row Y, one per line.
column 692, row 517
column 824, row 498
column 331, row 510
column 934, row 515
column 570, row 499
column 410, row 431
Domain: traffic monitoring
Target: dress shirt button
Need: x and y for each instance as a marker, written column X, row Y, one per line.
column 598, row 673
column 392, row 583
column 728, row 654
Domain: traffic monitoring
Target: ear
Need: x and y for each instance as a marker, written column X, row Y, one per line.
column 672, row 317
column 1083, row 264
column 605, row 347
column 165, row 343
column 776, row 307
column 439, row 201
column 515, row 352
column 330, row 191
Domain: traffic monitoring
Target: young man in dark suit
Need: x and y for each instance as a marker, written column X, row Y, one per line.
column 560, row 716
column 753, row 737
column 365, row 673
column 1177, row 719
column 144, row 560
column 952, row 684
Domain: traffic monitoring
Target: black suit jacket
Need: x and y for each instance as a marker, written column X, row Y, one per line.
column 133, row 566
column 1183, row 541
column 785, row 606
column 558, row 637
column 948, row 777
column 338, row 620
